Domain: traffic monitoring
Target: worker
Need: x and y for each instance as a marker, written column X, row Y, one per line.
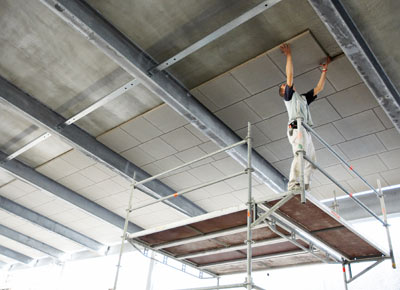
column 298, row 106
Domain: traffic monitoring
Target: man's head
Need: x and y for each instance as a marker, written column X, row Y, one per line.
column 282, row 90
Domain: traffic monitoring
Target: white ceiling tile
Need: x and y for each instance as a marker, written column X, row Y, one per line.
column 325, row 158
column 26, row 187
column 218, row 188
column 237, row 116
column 284, row 166
column 219, row 202
column 274, row 128
column 258, row 74
column 93, row 192
column 141, row 129
column 281, row 148
column 11, row 192
column 390, row 138
column 137, row 156
column 20, row 248
column 338, row 172
column 75, row 181
column 266, row 154
column 110, row 186
column 353, row 100
column 359, row 125
column 165, row 118
column 206, row 173
column 151, row 169
column 124, row 182
column 223, row 90
column 319, row 177
column 342, row 74
column 182, row 180
column 57, row 168
column 383, row 117
column 106, row 170
column 240, row 182
column 53, row 207
column 170, row 162
column 181, row 139
column 118, row 140
column 192, row 154
column 78, row 159
column 265, row 190
column 198, row 194
column 329, row 133
column 13, row 221
column 258, row 137
column 267, row 104
column 196, row 132
column 210, row 147
column 368, row 165
column 302, row 62
column 204, row 100
column 391, row 158
column 5, row 177
column 358, row 185
column 392, row 177
column 35, row 198
column 228, row 166
column 309, row 80
column 94, row 174
column 157, row 148
column 327, row 191
column 322, row 112
column 44, row 151
column 361, row 147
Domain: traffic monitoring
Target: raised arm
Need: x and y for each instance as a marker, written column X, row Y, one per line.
column 321, row 83
column 285, row 48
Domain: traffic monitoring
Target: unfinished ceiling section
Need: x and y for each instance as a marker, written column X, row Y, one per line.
column 69, row 193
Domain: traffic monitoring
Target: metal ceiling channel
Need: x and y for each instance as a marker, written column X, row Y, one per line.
column 31, row 108
column 138, row 63
column 30, row 242
column 44, row 222
column 348, row 36
column 31, row 176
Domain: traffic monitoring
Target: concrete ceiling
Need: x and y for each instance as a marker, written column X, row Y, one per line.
column 235, row 77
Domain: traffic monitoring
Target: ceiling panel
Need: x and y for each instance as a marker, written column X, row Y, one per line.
column 258, row 74
column 342, row 74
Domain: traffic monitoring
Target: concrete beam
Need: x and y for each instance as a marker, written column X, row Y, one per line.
column 31, row 176
column 138, row 63
column 15, row 255
column 344, row 30
column 30, row 242
column 49, row 224
column 84, row 142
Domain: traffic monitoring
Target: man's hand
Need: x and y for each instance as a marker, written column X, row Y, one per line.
column 285, row 48
column 325, row 65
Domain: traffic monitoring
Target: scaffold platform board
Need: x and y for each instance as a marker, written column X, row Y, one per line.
column 294, row 234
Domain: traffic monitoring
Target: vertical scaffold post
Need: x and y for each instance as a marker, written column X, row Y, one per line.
column 344, row 276
column 249, row 280
column 383, row 208
column 121, row 251
column 300, row 152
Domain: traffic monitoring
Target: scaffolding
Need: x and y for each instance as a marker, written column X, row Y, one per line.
column 259, row 214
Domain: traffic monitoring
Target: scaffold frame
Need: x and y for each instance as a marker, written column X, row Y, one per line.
column 258, row 216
